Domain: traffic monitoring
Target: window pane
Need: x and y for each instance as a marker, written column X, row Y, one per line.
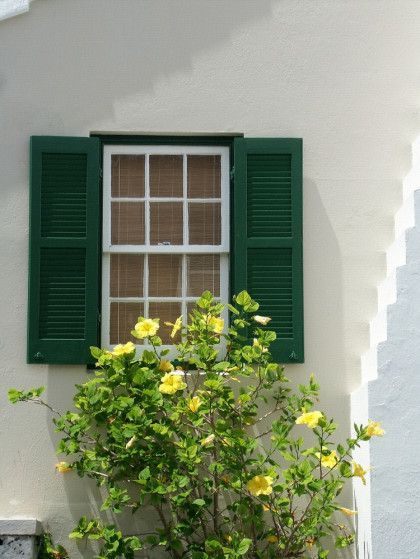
column 127, row 172
column 204, row 224
column 166, row 223
column 165, row 275
column 122, row 320
column 127, row 275
column 127, row 223
column 166, row 175
column 167, row 312
column 203, row 273
column 203, row 176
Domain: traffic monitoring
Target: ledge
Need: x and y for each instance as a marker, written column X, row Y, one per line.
column 12, row 8
column 20, row 527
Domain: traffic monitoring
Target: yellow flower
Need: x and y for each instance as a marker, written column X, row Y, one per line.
column 165, row 366
column 171, row 383
column 131, row 442
column 310, row 542
column 194, row 403
column 257, row 344
column 176, row 326
column 264, row 320
column 121, row 349
column 328, row 461
column 208, row 440
column 63, row 467
column 348, row 512
column 309, row 418
column 228, row 538
column 358, row 471
column 216, row 324
column 374, row 429
column 260, row 485
column 272, row 539
column 146, row 327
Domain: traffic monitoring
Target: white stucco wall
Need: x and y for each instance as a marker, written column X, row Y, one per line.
column 343, row 75
column 12, row 8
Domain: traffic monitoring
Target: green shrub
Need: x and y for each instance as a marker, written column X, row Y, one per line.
column 218, row 447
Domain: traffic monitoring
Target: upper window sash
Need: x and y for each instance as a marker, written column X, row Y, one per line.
column 185, row 151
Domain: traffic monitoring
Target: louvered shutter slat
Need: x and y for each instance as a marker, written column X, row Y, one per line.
column 267, row 259
column 64, row 249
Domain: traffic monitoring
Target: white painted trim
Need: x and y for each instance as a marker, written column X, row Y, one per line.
column 128, row 149
column 105, row 312
column 168, row 249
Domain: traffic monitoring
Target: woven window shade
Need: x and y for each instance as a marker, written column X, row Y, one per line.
column 165, row 275
column 123, row 318
column 127, row 223
column 204, row 223
column 166, row 223
column 165, row 173
column 126, row 275
column 203, row 176
column 167, row 312
column 203, row 273
column 127, row 176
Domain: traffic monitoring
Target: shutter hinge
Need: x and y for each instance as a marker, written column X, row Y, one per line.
column 232, row 173
column 101, row 174
column 293, row 355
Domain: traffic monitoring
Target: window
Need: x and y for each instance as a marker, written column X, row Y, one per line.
column 153, row 232
column 165, row 234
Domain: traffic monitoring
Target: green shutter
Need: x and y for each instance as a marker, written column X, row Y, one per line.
column 64, row 249
column 267, row 236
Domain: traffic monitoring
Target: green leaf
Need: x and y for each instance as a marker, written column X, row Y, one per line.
column 76, row 535
column 243, row 298
column 221, row 366
column 148, row 357
column 14, row 395
column 96, row 352
column 243, row 546
column 199, row 502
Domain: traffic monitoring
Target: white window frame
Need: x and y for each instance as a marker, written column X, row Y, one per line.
column 108, row 248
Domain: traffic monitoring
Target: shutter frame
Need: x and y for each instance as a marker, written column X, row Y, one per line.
column 53, row 232
column 290, row 350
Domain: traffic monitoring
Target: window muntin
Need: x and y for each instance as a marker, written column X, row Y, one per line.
column 165, row 234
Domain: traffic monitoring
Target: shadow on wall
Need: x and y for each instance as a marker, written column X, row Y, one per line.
column 77, row 58
column 327, row 345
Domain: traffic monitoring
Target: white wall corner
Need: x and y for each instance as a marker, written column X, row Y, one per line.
column 11, row 8
column 388, row 370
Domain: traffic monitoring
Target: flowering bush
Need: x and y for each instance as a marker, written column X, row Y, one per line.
column 226, row 479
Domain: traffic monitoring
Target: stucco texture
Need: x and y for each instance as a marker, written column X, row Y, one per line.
column 342, row 75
